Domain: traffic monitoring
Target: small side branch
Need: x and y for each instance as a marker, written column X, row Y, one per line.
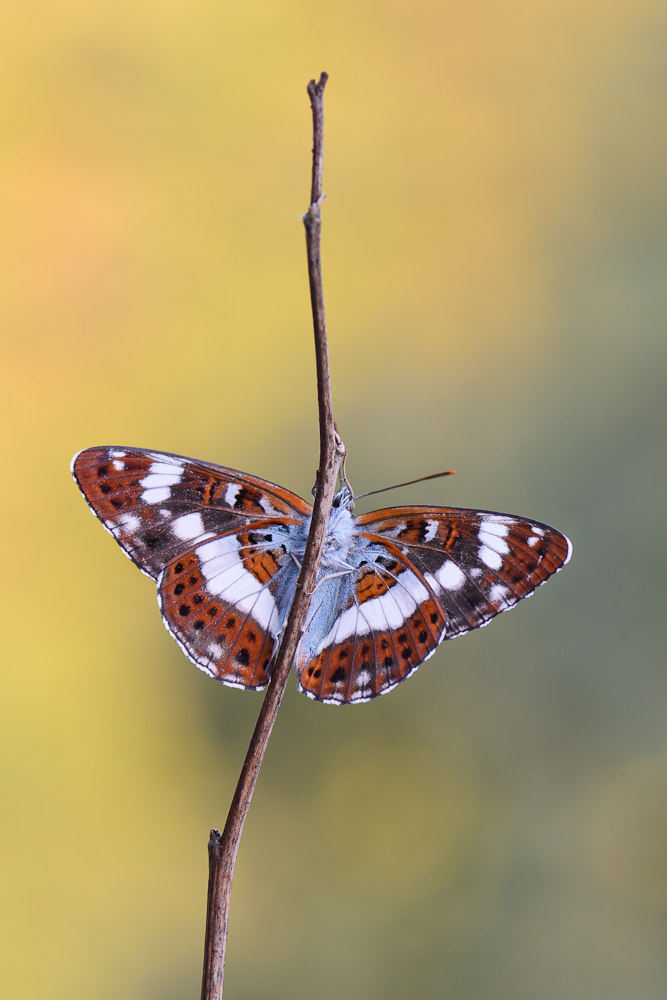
column 224, row 848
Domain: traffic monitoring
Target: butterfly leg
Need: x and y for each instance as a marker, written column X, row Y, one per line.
column 332, row 576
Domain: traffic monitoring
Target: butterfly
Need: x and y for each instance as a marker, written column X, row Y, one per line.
column 225, row 550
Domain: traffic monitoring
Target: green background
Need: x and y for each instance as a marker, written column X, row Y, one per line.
column 494, row 253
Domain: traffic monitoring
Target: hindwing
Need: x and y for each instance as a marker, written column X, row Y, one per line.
column 223, row 600
column 391, row 622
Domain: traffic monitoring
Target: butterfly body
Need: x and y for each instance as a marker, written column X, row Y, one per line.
column 225, row 550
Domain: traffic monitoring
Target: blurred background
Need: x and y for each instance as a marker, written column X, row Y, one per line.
column 495, row 240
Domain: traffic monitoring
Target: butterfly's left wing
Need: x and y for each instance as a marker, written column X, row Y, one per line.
column 217, row 542
column 478, row 562
column 224, row 600
column 156, row 504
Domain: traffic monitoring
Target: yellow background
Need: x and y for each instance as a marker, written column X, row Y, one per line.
column 495, row 244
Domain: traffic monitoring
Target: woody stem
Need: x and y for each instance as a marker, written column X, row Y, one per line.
column 222, row 849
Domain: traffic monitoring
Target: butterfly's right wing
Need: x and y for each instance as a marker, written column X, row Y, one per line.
column 478, row 562
column 369, row 630
column 225, row 599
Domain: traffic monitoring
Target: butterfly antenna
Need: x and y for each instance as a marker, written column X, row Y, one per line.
column 422, row 479
column 343, row 476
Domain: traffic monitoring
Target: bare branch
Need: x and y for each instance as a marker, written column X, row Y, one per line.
column 223, row 849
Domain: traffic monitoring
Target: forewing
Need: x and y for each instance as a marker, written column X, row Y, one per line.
column 156, row 505
column 391, row 622
column 478, row 562
column 223, row 601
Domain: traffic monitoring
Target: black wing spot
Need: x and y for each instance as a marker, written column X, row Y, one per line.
column 388, row 661
column 243, row 494
column 242, row 657
column 184, row 610
column 151, row 541
column 179, row 588
column 365, row 649
column 197, row 599
column 212, row 612
column 102, row 470
column 178, row 568
column 199, row 625
column 268, row 538
column 338, row 675
column 317, row 672
column 344, row 653
column 402, row 637
column 406, row 654
column 423, row 636
column 117, row 504
column 193, row 580
column 230, row 623
column 434, row 617
column 384, row 644
column 252, row 636
column 105, row 488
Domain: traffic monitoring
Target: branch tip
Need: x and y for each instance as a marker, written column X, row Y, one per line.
column 316, row 88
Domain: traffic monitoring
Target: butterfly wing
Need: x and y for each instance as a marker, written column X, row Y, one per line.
column 386, row 620
column 156, row 504
column 217, row 542
column 478, row 562
column 220, row 542
column 224, row 600
column 425, row 574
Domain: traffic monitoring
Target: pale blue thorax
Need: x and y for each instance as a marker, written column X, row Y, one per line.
column 339, row 541
column 344, row 550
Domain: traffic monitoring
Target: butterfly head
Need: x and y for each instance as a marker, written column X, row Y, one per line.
column 343, row 499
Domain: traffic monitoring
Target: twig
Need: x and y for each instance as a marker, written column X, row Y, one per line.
column 223, row 849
